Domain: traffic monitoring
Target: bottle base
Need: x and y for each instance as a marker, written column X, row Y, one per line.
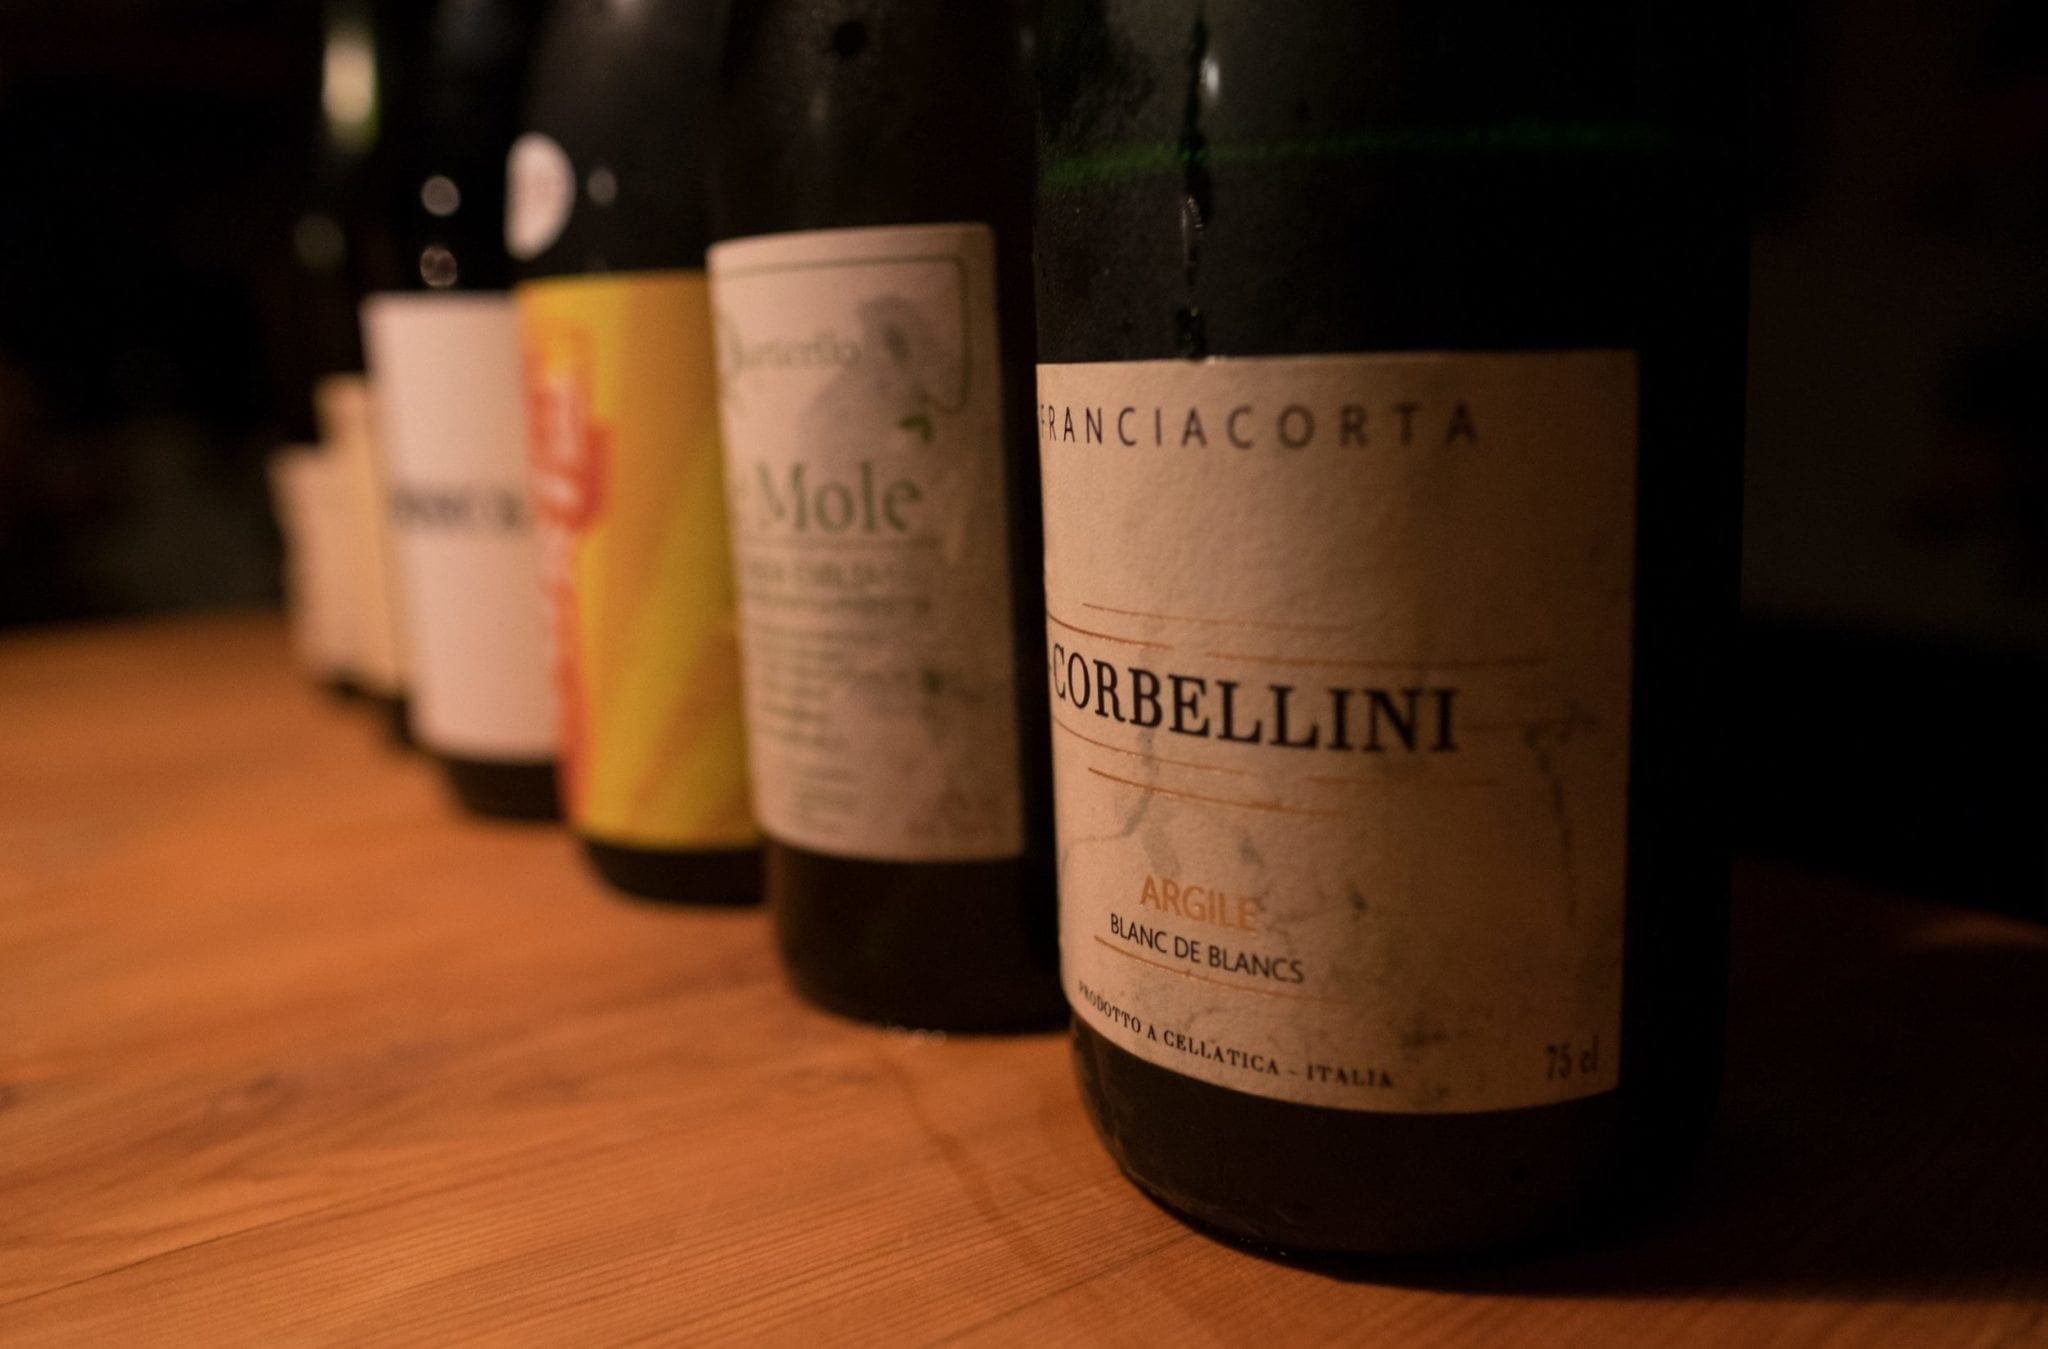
column 500, row 790
column 937, row 946
column 1312, row 1183
column 725, row 879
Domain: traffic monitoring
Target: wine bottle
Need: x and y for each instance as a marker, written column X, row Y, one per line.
column 323, row 340
column 342, row 244
column 343, row 403
column 606, row 227
column 302, row 488
column 872, row 194
column 1390, row 417
column 443, row 353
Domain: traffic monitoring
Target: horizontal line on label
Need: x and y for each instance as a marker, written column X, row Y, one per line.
column 1320, row 780
column 1335, row 662
column 1150, row 758
column 1056, row 620
column 1221, row 983
column 1226, row 622
column 1276, row 807
column 1369, row 662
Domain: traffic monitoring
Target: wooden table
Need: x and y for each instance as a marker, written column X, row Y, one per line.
column 289, row 1052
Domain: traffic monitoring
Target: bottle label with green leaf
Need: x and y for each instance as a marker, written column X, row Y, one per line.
column 1340, row 656
column 860, row 387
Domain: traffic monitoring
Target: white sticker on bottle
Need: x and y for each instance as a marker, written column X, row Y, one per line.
column 336, row 546
column 860, row 385
column 348, row 432
column 540, row 194
column 447, row 372
column 1340, row 657
column 302, row 484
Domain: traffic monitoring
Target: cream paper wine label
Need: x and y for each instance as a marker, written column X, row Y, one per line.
column 1340, row 658
column 860, row 384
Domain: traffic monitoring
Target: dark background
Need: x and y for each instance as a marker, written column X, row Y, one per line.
column 155, row 176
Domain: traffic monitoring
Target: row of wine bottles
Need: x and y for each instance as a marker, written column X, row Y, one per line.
column 1285, row 510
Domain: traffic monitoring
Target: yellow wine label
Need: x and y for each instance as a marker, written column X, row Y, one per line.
column 629, row 491
column 1340, row 667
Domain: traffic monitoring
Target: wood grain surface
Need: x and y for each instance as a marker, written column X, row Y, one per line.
column 291, row 1053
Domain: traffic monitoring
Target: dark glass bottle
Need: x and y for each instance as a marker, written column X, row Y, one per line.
column 872, row 183
column 1445, row 300
column 322, row 339
column 606, row 227
column 344, row 245
column 443, row 347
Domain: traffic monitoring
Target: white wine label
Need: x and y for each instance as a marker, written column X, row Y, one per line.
column 348, row 432
column 1340, row 669
column 335, row 544
column 303, row 484
column 540, row 194
column 860, row 385
column 447, row 373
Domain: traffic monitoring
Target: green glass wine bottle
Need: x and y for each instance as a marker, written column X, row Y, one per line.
column 1390, row 408
column 872, row 194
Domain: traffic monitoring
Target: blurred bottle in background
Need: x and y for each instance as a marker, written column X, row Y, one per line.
column 305, row 496
column 443, row 352
column 342, row 403
column 606, row 223
column 344, row 242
